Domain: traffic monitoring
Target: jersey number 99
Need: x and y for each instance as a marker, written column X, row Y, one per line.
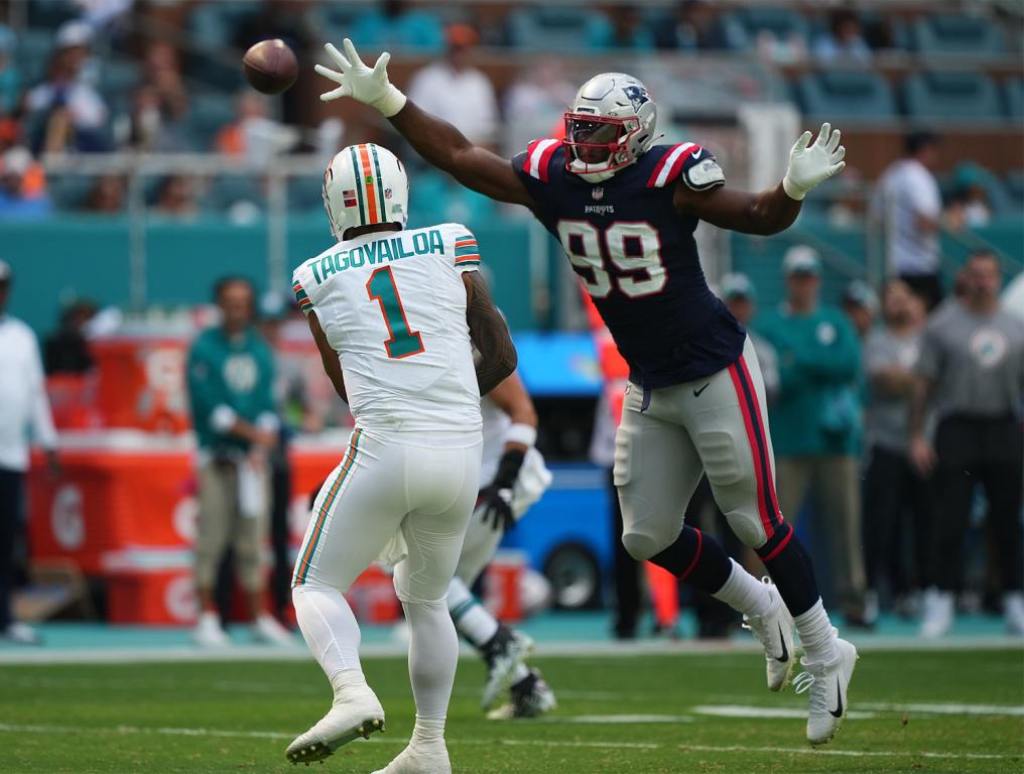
column 632, row 248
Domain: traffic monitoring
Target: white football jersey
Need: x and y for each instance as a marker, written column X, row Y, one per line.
column 393, row 306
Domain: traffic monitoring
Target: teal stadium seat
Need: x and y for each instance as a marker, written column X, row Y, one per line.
column 1013, row 97
column 784, row 23
column 50, row 14
column 227, row 190
column 968, row 173
column 32, row 53
column 847, row 95
column 565, row 30
column 305, row 194
column 69, row 192
column 955, row 97
column 1015, row 189
column 208, row 113
column 959, row 34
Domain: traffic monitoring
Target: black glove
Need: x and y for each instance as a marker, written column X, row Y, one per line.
column 495, row 500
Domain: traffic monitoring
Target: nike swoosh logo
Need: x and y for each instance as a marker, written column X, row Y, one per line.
column 696, row 393
column 785, row 651
column 838, row 711
column 696, row 154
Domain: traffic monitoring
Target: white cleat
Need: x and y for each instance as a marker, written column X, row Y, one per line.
column 827, row 684
column 774, row 630
column 420, row 759
column 502, row 666
column 268, row 630
column 209, row 633
column 355, row 713
column 937, row 614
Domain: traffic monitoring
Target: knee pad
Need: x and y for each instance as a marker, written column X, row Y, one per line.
column 640, row 546
column 747, row 527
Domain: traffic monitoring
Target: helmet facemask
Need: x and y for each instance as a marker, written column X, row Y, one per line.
column 598, row 143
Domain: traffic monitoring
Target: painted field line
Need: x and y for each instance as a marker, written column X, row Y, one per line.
column 727, row 748
column 947, row 708
column 616, row 720
column 767, row 713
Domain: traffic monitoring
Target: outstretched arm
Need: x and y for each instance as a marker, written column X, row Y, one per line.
column 489, row 334
column 435, row 140
column 772, row 211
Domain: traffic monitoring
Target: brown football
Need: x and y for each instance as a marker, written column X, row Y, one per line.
column 270, row 66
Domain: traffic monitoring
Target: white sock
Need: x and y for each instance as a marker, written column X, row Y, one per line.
column 427, row 730
column 742, row 591
column 817, row 635
column 520, row 673
column 471, row 618
column 433, row 653
column 329, row 628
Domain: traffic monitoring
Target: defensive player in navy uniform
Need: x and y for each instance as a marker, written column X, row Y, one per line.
column 625, row 211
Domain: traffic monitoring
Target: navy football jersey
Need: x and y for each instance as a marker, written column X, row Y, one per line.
column 636, row 256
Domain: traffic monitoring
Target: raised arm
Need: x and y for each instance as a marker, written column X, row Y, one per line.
column 489, row 334
column 774, row 210
column 437, row 141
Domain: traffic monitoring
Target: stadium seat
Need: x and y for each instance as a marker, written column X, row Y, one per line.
column 305, row 194
column 951, row 97
column 566, row 30
column 208, row 113
column 414, row 30
column 784, row 23
column 1015, row 188
column 968, row 173
column 227, row 190
column 959, row 34
column 211, row 25
column 847, row 95
column 50, row 14
column 1013, row 97
column 69, row 192
column 32, row 53
column 117, row 76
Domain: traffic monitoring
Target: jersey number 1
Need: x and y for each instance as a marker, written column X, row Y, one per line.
column 402, row 341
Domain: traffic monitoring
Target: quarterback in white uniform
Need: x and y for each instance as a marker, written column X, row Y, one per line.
column 395, row 315
column 512, row 478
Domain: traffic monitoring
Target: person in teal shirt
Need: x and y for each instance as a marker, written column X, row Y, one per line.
column 230, row 387
column 816, row 420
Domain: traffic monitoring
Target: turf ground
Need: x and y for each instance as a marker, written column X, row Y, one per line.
column 914, row 711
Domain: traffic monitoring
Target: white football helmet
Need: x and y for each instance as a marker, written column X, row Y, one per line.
column 609, row 126
column 365, row 185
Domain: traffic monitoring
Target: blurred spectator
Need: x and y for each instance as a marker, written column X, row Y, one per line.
column 230, row 383
column 66, row 350
column 162, row 71
column 399, row 26
column 971, row 376
column 22, row 190
column 816, row 420
column 177, row 197
column 969, row 206
column 908, row 206
column 150, row 128
column 23, row 407
column 253, row 133
column 10, row 79
column 696, row 26
column 628, row 30
column 860, row 304
column 896, row 505
column 106, row 195
column 844, row 43
column 69, row 114
column 456, row 91
column 740, row 298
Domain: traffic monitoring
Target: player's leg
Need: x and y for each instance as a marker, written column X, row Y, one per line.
column 353, row 518
column 657, row 469
column 728, row 423
column 445, row 485
column 218, row 507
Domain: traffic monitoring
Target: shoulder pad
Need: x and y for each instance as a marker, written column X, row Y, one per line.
column 538, row 157
column 703, row 174
column 671, row 163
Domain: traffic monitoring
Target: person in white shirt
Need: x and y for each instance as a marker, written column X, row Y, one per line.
column 908, row 206
column 458, row 92
column 23, row 405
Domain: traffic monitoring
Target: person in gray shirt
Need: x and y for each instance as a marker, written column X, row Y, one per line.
column 971, row 376
column 896, row 504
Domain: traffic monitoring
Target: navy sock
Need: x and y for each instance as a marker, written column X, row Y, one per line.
column 696, row 559
column 793, row 574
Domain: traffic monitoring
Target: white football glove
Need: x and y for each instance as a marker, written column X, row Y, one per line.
column 809, row 166
column 367, row 85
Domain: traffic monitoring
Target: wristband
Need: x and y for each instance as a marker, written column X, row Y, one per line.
column 508, row 469
column 792, row 190
column 392, row 101
column 521, row 433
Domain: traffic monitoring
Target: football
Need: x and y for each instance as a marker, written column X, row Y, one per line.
column 270, row 66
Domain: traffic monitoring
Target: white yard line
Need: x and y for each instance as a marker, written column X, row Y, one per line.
column 766, row 713
column 849, row 753
column 946, row 708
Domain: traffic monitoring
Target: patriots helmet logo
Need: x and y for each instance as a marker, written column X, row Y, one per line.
column 637, row 95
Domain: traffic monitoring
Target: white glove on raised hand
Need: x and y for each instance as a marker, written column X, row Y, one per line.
column 367, row 85
column 809, row 166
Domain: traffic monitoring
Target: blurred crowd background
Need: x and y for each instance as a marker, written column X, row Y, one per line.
column 137, row 169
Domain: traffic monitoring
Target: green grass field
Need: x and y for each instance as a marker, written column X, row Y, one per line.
column 638, row 714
